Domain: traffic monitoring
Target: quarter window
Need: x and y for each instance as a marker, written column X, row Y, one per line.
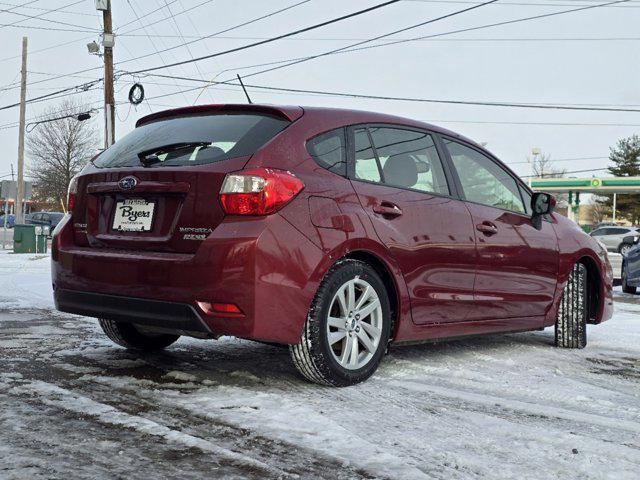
column 329, row 151
column 483, row 181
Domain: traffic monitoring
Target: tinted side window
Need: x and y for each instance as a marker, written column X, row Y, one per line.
column 329, row 151
column 366, row 167
column 483, row 181
column 409, row 159
column 618, row 231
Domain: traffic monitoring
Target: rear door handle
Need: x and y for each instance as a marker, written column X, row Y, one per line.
column 388, row 209
column 488, row 228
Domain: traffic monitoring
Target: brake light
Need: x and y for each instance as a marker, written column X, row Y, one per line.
column 260, row 191
column 71, row 194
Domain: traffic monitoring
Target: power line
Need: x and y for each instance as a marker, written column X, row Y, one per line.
column 489, row 25
column 162, row 19
column 345, row 39
column 38, row 17
column 213, row 35
column 273, row 39
column 84, row 87
column 177, row 28
column 567, row 173
column 504, row 4
column 22, row 6
column 49, row 29
column 579, row 159
column 545, row 106
column 356, row 46
column 145, row 15
column 46, row 10
column 376, row 97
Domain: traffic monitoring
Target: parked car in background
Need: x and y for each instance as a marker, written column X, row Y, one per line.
column 631, row 270
column 45, row 219
column 615, row 259
column 613, row 237
column 335, row 232
column 10, row 219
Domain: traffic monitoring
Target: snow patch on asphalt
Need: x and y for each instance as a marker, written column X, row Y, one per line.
column 25, row 281
column 55, row 396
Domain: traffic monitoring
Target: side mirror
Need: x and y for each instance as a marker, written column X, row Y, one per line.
column 631, row 239
column 541, row 204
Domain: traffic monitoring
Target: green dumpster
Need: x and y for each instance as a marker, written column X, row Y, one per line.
column 25, row 238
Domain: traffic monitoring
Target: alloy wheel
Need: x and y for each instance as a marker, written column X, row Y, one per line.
column 354, row 324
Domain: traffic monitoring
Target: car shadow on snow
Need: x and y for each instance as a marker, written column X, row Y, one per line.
column 190, row 363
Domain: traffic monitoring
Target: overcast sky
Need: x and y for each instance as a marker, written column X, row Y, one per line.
column 590, row 57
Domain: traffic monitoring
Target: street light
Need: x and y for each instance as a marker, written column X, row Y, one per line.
column 81, row 117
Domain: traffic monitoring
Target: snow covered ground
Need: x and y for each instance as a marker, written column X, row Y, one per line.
column 72, row 405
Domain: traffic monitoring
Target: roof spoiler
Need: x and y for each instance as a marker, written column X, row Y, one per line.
column 289, row 113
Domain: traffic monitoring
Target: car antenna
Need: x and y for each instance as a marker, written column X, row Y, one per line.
column 245, row 90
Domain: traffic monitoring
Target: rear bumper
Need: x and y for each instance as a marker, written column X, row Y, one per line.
column 176, row 316
column 261, row 264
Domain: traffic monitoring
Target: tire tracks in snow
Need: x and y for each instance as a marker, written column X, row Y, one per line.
column 521, row 406
column 64, row 399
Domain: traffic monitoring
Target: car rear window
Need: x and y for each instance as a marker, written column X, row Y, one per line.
column 205, row 139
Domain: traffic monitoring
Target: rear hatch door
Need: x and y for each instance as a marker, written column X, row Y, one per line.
column 157, row 188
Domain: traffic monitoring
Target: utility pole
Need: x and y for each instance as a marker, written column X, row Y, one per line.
column 532, row 160
column 108, row 41
column 23, row 98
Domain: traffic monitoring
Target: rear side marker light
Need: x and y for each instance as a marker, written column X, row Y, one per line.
column 219, row 308
column 71, row 194
column 260, row 191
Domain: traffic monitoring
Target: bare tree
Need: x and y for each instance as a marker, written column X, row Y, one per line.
column 58, row 150
column 543, row 167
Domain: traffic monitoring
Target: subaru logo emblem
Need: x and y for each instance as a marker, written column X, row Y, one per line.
column 127, row 183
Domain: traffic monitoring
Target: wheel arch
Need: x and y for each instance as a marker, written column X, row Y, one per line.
column 383, row 270
column 594, row 287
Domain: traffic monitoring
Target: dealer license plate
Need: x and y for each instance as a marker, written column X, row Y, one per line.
column 133, row 215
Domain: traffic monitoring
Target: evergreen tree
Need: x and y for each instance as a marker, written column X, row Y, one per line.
column 625, row 157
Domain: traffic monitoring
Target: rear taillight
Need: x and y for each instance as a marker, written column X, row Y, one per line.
column 260, row 191
column 71, row 193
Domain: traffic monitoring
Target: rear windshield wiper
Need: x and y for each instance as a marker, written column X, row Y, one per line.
column 150, row 157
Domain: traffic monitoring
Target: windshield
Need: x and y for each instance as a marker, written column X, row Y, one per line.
column 207, row 139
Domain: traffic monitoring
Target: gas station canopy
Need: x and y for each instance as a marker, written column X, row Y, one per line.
column 587, row 185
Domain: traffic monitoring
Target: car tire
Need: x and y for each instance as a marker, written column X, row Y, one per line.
column 624, row 248
column 340, row 354
column 128, row 336
column 571, row 319
column 626, row 288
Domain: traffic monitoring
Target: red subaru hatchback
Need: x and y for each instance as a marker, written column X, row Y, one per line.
column 334, row 232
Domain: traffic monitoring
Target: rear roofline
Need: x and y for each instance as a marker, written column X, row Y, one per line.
column 293, row 113
column 289, row 113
